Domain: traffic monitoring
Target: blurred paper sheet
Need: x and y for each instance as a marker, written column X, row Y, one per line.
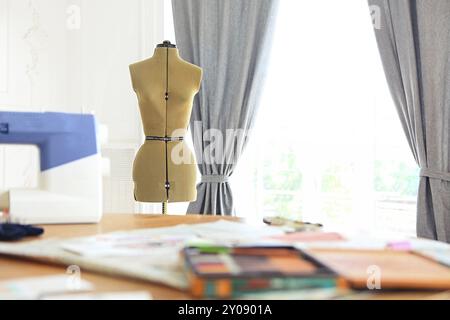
column 309, row 237
column 166, row 242
column 140, row 295
column 40, row 287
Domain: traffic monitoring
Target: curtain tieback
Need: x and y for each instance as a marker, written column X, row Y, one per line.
column 435, row 174
column 214, row 179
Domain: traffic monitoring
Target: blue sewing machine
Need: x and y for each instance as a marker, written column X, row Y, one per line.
column 70, row 180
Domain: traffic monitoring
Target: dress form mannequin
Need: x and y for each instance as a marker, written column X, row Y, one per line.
column 165, row 86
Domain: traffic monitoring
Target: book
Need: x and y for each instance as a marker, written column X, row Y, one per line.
column 230, row 272
column 385, row 269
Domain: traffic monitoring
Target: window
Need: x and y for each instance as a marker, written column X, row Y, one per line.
column 328, row 145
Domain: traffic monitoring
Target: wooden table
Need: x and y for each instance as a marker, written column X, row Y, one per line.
column 11, row 268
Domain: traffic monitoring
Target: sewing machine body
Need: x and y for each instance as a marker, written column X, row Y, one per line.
column 70, row 178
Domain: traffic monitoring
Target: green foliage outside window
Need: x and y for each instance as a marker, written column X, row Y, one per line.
column 396, row 177
column 282, row 184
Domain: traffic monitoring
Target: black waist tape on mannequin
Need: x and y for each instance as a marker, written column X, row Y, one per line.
column 164, row 139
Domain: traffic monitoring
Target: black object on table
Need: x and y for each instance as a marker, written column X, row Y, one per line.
column 13, row 232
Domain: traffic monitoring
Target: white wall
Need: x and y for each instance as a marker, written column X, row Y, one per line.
column 4, row 22
column 50, row 63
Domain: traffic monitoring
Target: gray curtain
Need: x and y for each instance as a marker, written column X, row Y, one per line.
column 230, row 40
column 414, row 43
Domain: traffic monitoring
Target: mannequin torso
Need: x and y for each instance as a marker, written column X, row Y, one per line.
column 154, row 164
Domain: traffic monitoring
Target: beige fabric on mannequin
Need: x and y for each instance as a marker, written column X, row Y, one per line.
column 149, row 79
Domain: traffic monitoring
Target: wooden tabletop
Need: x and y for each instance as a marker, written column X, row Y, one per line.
column 11, row 268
